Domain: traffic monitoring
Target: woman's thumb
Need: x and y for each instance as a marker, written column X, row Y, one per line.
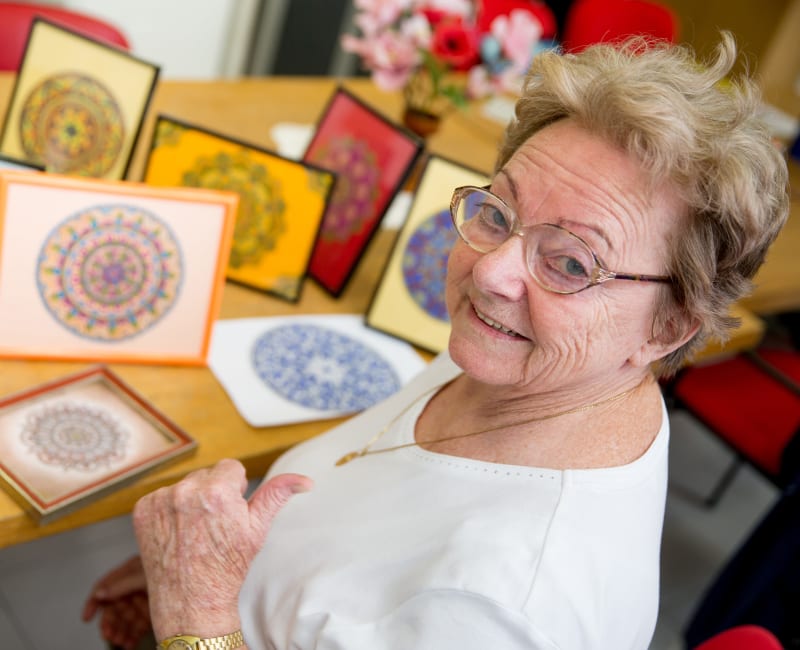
column 269, row 497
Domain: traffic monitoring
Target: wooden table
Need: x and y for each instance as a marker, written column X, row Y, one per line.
column 244, row 109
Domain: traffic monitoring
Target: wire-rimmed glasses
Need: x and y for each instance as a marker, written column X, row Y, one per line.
column 557, row 259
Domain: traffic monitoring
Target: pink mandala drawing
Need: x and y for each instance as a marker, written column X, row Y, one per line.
column 356, row 191
column 109, row 272
column 74, row 436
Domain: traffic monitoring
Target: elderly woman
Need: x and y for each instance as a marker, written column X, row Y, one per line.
column 513, row 495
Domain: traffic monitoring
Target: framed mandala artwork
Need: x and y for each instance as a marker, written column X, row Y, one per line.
column 77, row 105
column 284, row 369
column 72, row 440
column 281, row 201
column 409, row 302
column 372, row 158
column 109, row 270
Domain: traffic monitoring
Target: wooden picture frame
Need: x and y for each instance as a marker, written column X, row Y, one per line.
column 409, row 301
column 78, row 105
column 69, row 442
column 281, row 205
column 372, row 157
column 109, row 270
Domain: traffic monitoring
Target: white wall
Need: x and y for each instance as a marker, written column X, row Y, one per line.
column 188, row 39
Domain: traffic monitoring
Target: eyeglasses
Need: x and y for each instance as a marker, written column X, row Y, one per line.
column 557, row 259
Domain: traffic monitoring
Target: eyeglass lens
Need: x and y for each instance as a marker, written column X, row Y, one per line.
column 556, row 258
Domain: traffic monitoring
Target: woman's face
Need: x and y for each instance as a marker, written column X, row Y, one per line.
column 508, row 330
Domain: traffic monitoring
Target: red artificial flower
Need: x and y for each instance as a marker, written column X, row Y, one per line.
column 491, row 9
column 455, row 43
column 434, row 16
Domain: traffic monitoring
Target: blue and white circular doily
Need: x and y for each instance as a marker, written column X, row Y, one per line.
column 425, row 263
column 322, row 369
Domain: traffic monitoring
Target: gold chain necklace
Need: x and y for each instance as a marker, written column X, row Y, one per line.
column 367, row 451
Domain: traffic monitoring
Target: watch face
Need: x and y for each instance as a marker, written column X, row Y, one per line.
column 180, row 644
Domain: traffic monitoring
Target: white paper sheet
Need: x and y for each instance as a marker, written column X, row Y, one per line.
column 284, row 369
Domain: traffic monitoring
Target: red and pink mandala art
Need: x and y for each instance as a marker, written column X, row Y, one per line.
column 109, row 272
column 356, row 191
column 71, row 124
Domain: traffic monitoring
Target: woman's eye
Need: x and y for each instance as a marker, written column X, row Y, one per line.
column 569, row 266
column 493, row 218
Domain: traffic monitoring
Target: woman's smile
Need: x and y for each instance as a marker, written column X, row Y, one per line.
column 495, row 325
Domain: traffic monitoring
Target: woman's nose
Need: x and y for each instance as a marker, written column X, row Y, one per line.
column 504, row 271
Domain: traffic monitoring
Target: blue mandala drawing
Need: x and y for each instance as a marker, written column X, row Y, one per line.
column 322, row 369
column 425, row 263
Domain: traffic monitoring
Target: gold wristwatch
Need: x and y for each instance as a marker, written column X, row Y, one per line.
column 189, row 642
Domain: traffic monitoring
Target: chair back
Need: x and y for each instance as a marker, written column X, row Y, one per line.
column 743, row 637
column 16, row 19
column 610, row 21
column 751, row 402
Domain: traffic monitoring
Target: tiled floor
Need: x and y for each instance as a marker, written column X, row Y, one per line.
column 43, row 583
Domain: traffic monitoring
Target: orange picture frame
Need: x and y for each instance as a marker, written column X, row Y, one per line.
column 110, row 271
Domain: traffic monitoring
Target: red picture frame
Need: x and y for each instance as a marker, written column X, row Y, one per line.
column 372, row 157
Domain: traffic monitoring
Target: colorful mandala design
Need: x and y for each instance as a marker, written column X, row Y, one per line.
column 356, row 191
column 261, row 218
column 322, row 369
column 74, row 436
column 110, row 272
column 72, row 124
column 425, row 263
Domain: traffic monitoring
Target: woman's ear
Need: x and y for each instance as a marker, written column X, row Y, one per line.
column 667, row 334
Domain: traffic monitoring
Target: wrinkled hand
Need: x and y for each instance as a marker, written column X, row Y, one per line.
column 121, row 598
column 197, row 540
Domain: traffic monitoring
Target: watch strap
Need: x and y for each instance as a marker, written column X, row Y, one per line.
column 224, row 642
column 190, row 642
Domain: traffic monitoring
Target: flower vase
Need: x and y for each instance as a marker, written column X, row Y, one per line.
column 424, row 104
column 421, row 122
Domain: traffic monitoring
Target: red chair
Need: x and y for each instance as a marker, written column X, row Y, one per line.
column 611, row 21
column 16, row 19
column 752, row 403
column 743, row 637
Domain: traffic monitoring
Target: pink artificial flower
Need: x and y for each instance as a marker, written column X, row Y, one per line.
column 462, row 8
column 393, row 50
column 509, row 81
column 488, row 10
column 374, row 15
column 479, row 82
column 418, row 30
column 390, row 80
column 354, row 44
column 517, row 33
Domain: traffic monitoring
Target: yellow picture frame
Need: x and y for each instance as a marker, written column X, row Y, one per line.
column 78, row 105
column 409, row 301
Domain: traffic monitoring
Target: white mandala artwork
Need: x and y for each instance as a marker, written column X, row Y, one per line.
column 74, row 436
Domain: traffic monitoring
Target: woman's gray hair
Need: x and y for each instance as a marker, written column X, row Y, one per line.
column 689, row 124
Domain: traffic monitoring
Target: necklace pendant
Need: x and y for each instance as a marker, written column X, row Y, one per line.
column 348, row 457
